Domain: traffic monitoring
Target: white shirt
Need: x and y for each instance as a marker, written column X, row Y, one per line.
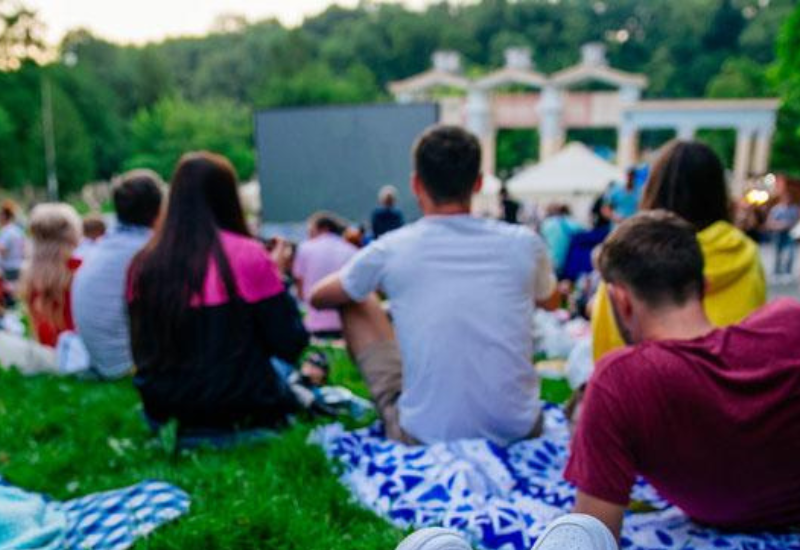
column 12, row 241
column 462, row 293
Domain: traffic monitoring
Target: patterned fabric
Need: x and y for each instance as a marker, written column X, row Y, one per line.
column 114, row 520
column 503, row 498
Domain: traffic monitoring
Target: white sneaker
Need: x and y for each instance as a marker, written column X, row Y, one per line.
column 434, row 538
column 576, row 532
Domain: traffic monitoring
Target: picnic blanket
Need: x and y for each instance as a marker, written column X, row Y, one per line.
column 111, row 520
column 502, row 498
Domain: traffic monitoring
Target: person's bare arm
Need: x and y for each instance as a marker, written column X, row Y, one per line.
column 329, row 293
column 610, row 514
column 298, row 283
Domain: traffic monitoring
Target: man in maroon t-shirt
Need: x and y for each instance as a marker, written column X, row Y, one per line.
column 710, row 417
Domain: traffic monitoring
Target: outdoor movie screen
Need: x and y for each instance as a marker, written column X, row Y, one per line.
column 336, row 158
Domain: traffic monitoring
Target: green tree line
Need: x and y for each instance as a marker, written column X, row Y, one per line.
column 121, row 106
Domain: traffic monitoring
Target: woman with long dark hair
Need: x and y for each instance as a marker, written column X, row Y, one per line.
column 209, row 311
column 688, row 179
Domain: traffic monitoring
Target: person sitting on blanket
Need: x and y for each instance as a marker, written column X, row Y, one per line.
column 462, row 292
column 209, row 313
column 709, row 416
column 98, row 292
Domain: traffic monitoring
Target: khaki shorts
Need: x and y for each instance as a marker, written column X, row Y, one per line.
column 382, row 369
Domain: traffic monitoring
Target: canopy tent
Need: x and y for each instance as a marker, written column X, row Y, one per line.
column 575, row 175
column 575, row 170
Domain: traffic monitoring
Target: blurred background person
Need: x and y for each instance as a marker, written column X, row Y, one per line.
column 46, row 279
column 782, row 218
column 325, row 252
column 622, row 201
column 558, row 229
column 12, row 243
column 509, row 208
column 386, row 217
column 94, row 228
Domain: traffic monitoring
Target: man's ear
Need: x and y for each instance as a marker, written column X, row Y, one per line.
column 416, row 185
column 478, row 185
column 621, row 298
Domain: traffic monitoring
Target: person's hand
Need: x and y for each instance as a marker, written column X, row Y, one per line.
column 281, row 254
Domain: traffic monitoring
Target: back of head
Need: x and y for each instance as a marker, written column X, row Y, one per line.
column 137, row 197
column 688, row 179
column 172, row 268
column 387, row 196
column 94, row 226
column 447, row 160
column 55, row 224
column 8, row 211
column 656, row 255
column 326, row 222
column 55, row 230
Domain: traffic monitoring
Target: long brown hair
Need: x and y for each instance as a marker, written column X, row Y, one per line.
column 55, row 231
column 171, row 270
column 688, row 179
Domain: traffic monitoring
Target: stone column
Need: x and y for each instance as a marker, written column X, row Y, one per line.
column 741, row 161
column 627, row 145
column 762, row 152
column 480, row 123
column 551, row 129
column 685, row 132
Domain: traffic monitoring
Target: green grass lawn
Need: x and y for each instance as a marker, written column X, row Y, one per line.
column 67, row 438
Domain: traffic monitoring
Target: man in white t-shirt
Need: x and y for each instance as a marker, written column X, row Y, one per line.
column 457, row 363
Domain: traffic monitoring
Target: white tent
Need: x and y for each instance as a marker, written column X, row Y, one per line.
column 575, row 176
column 575, row 170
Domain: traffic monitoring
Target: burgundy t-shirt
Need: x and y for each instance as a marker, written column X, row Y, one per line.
column 712, row 423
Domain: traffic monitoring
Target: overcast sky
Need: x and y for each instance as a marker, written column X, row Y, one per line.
column 145, row 20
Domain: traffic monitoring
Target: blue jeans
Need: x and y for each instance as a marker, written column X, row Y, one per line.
column 784, row 253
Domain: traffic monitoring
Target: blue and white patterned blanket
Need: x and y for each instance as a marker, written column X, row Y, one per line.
column 114, row 520
column 502, row 498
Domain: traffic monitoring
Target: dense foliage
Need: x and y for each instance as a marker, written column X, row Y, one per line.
column 120, row 106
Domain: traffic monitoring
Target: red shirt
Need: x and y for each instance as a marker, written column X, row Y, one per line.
column 47, row 331
column 712, row 423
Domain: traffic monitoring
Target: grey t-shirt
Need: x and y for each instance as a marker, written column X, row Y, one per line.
column 98, row 300
column 462, row 293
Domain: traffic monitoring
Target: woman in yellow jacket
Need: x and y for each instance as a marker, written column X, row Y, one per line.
column 689, row 180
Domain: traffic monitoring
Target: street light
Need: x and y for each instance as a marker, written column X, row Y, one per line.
column 70, row 59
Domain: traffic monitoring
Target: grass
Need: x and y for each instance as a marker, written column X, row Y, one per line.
column 67, row 438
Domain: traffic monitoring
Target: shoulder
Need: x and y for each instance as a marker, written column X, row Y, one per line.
column 783, row 312
column 256, row 274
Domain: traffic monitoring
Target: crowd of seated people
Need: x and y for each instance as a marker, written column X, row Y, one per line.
column 691, row 364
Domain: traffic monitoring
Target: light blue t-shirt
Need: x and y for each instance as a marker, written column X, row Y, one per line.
column 557, row 232
column 99, row 306
column 462, row 293
column 12, row 242
column 624, row 202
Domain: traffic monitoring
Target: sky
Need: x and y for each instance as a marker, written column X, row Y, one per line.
column 141, row 21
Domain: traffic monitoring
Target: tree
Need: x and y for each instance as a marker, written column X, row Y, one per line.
column 786, row 150
column 316, row 85
column 174, row 126
column 21, row 33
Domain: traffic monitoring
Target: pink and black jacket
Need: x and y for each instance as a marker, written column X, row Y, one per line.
column 224, row 378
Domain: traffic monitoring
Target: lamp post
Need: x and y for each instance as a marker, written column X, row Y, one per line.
column 70, row 60
column 49, row 138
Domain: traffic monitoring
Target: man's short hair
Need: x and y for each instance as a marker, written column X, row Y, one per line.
column 448, row 161
column 327, row 221
column 137, row 197
column 657, row 256
column 387, row 195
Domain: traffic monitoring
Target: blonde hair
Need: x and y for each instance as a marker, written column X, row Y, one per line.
column 55, row 230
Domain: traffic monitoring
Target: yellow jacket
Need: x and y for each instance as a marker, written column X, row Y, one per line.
column 736, row 285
